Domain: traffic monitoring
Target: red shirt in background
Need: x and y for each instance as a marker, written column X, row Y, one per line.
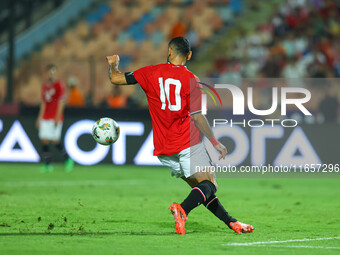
column 52, row 94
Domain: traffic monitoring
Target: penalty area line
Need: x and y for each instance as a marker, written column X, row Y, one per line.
column 281, row 241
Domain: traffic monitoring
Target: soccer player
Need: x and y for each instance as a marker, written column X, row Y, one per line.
column 50, row 119
column 176, row 128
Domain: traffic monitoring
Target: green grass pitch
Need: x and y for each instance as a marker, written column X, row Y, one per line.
column 124, row 210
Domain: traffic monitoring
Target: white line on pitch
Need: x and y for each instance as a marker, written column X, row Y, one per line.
column 283, row 241
column 299, row 246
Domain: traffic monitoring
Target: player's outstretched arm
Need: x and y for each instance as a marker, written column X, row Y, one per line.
column 116, row 77
column 202, row 124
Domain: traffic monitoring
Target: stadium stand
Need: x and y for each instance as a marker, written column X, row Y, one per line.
column 137, row 30
column 297, row 39
column 269, row 43
column 30, row 38
column 293, row 42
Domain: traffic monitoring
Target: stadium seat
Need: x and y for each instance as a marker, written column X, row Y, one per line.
column 137, row 30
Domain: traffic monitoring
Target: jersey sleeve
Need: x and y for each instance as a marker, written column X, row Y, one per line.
column 143, row 76
column 195, row 95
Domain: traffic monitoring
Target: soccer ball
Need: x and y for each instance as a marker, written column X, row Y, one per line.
column 105, row 131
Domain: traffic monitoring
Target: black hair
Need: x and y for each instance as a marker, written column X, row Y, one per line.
column 50, row 66
column 180, row 45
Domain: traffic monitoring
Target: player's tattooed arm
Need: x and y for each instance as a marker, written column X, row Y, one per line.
column 116, row 77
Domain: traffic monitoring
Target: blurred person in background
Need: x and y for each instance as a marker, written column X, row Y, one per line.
column 50, row 119
column 178, row 29
column 193, row 37
column 293, row 69
column 2, row 90
column 117, row 99
column 329, row 105
column 75, row 97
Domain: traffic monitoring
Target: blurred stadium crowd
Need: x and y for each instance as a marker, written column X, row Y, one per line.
column 300, row 38
column 136, row 30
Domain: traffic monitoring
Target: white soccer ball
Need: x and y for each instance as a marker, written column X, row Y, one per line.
column 105, row 131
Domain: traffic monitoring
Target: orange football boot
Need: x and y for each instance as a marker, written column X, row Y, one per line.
column 179, row 216
column 240, row 227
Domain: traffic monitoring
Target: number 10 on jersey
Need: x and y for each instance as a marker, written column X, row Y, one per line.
column 165, row 92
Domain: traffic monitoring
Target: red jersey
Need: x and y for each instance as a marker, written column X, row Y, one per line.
column 52, row 94
column 168, row 91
